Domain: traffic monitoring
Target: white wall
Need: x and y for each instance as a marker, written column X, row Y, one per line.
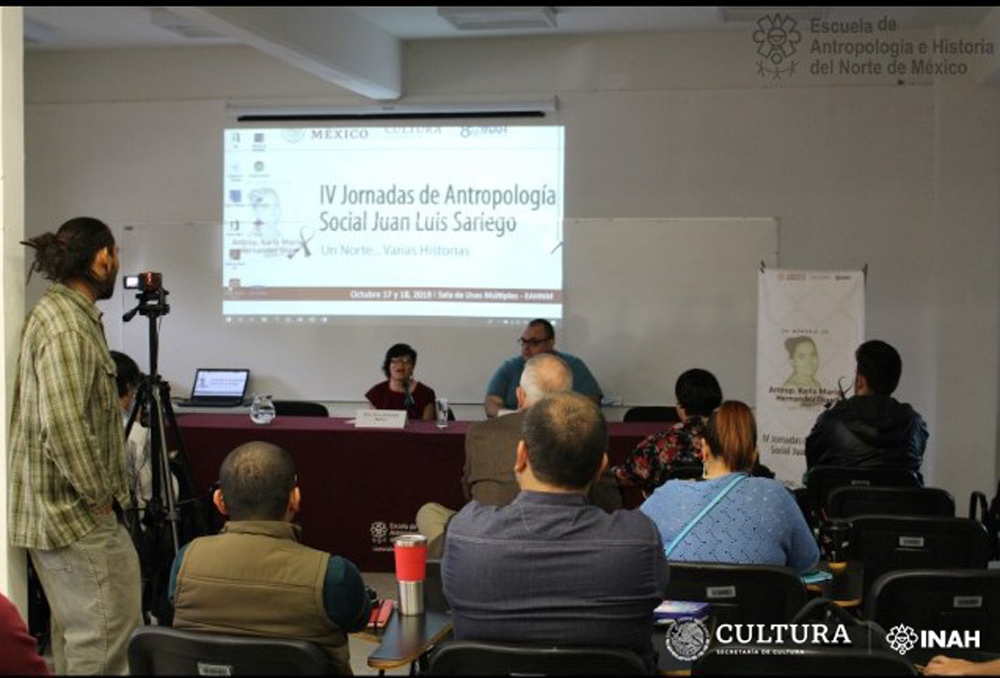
column 13, row 565
column 858, row 170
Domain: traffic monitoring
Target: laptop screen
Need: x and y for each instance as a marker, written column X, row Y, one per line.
column 220, row 383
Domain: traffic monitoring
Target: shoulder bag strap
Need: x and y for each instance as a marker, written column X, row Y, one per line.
column 701, row 514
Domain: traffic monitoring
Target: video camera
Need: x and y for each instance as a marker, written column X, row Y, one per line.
column 150, row 293
column 148, row 281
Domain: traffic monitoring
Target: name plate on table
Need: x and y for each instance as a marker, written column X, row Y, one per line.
column 380, row 419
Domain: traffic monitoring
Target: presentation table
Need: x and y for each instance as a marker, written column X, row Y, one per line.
column 360, row 487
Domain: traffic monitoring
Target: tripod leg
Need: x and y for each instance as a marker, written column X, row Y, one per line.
column 187, row 488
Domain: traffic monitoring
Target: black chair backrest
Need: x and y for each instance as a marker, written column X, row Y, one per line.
column 940, row 601
column 989, row 515
column 754, row 594
column 744, row 660
column 470, row 657
column 299, row 408
column 821, row 480
column 434, row 587
column 851, row 500
column 163, row 651
column 685, row 472
column 652, row 413
column 886, row 543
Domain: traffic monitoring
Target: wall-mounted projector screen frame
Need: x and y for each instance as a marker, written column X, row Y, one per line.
column 645, row 299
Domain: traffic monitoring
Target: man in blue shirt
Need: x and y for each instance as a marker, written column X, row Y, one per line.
column 551, row 568
column 538, row 337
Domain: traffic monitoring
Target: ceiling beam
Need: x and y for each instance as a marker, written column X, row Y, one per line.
column 332, row 43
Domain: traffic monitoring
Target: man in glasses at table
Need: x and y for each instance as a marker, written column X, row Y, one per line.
column 537, row 337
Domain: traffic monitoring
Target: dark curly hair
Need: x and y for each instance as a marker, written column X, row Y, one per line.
column 68, row 253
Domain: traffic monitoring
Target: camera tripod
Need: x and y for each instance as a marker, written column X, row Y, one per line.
column 170, row 517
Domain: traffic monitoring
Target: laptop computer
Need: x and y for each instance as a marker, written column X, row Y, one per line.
column 217, row 387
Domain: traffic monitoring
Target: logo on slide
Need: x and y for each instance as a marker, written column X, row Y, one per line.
column 776, row 37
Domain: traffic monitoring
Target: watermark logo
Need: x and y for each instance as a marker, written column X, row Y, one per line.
column 687, row 639
column 902, row 638
column 379, row 532
column 776, row 37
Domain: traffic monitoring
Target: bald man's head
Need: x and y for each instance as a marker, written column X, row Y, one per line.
column 256, row 480
column 565, row 436
column 544, row 375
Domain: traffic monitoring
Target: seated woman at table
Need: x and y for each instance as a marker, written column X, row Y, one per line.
column 400, row 391
column 748, row 520
column 698, row 393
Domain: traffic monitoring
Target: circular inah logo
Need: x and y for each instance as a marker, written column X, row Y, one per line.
column 776, row 37
column 687, row 639
column 901, row 638
column 379, row 531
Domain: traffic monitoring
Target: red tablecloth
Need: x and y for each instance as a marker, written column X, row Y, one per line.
column 360, row 487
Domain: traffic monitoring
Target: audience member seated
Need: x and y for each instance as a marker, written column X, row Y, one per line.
column 750, row 520
column 400, row 391
column 137, row 447
column 538, row 337
column 140, row 477
column 870, row 429
column 698, row 393
column 551, row 568
column 491, row 450
column 18, row 651
column 947, row 666
column 255, row 578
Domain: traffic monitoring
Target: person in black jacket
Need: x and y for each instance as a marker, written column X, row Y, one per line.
column 871, row 429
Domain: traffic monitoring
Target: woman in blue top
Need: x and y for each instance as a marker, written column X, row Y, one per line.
column 756, row 521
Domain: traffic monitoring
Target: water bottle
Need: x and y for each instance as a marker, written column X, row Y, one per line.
column 262, row 409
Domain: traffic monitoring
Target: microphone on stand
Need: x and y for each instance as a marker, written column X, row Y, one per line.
column 409, row 396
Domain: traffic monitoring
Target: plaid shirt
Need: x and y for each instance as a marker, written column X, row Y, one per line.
column 67, row 439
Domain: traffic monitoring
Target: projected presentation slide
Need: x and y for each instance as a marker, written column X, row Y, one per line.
column 461, row 222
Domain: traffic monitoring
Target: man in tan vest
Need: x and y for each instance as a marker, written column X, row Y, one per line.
column 255, row 577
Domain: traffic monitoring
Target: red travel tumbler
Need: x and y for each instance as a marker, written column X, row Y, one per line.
column 411, row 570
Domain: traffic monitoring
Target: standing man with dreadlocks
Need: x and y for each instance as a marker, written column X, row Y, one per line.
column 68, row 455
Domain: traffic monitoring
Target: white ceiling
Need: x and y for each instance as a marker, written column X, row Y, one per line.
column 69, row 28
column 360, row 48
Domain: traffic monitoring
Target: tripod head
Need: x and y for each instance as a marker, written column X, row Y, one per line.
column 151, row 295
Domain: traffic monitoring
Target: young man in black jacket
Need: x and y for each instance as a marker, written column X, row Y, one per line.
column 870, row 429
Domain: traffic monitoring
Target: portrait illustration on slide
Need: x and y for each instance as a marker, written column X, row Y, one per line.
column 266, row 212
column 804, row 360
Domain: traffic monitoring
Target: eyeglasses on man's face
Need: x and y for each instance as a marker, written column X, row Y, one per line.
column 532, row 343
column 401, row 360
